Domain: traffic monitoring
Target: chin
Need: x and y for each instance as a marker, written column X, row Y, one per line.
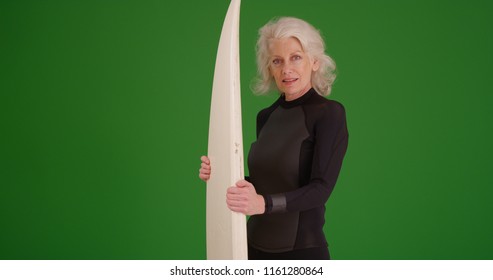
column 292, row 91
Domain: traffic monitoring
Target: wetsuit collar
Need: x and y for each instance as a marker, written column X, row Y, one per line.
column 298, row 101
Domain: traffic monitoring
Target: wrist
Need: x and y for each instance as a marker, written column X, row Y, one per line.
column 261, row 204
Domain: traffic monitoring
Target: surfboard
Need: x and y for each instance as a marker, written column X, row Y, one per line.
column 226, row 230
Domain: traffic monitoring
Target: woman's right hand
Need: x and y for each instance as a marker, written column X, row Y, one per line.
column 205, row 169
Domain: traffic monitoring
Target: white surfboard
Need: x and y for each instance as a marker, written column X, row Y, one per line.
column 226, row 230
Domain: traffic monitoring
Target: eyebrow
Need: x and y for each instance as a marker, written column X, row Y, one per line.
column 296, row 52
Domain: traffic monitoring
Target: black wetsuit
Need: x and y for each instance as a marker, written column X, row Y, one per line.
column 294, row 164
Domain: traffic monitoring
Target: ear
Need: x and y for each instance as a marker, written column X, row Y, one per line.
column 315, row 65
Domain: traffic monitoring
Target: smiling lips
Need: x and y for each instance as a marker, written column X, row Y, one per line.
column 289, row 81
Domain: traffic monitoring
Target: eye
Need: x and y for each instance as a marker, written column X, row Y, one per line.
column 276, row 61
column 296, row 57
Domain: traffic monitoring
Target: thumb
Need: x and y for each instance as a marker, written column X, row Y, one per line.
column 242, row 183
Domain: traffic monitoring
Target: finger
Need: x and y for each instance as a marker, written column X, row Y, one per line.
column 204, row 177
column 242, row 183
column 237, row 209
column 236, row 206
column 204, row 171
column 232, row 202
column 205, row 166
column 235, row 198
column 205, row 159
column 235, row 190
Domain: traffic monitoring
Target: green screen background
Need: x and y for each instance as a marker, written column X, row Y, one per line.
column 104, row 114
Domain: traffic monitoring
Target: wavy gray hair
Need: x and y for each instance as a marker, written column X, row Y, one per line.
column 312, row 44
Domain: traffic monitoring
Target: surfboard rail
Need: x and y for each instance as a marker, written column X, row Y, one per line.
column 226, row 230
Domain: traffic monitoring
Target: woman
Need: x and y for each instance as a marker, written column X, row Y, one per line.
column 301, row 142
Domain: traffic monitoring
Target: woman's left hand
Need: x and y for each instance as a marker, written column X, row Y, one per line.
column 243, row 198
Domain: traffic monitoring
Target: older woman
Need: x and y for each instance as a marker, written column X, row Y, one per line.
column 301, row 142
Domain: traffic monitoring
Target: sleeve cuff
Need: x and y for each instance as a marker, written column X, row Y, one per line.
column 275, row 203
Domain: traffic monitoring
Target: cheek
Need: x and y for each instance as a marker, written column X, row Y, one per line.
column 276, row 75
column 307, row 71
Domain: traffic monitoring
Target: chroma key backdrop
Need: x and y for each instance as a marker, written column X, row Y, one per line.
column 104, row 113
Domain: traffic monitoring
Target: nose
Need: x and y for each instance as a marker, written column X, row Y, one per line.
column 286, row 68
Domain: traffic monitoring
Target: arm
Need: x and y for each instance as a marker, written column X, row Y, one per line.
column 331, row 139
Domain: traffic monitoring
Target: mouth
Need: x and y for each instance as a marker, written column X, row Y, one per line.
column 289, row 81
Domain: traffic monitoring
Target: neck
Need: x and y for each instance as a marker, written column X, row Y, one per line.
column 296, row 95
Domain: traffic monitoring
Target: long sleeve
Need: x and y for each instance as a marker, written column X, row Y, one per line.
column 329, row 147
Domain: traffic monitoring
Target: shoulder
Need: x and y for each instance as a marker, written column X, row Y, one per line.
column 265, row 113
column 324, row 108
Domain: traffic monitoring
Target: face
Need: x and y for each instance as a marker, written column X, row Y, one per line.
column 291, row 67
